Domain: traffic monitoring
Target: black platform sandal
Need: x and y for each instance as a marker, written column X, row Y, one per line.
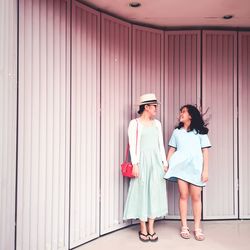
column 144, row 235
column 151, row 237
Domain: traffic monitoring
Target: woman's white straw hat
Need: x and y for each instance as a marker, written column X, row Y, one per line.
column 149, row 98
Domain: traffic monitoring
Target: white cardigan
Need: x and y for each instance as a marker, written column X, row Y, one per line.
column 135, row 158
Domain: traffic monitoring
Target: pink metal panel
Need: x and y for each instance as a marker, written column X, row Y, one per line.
column 181, row 86
column 8, row 111
column 219, row 93
column 116, row 113
column 44, row 119
column 147, row 64
column 244, row 118
column 85, row 125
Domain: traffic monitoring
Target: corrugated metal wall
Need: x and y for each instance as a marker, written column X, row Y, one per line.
column 181, row 86
column 8, row 107
column 147, row 64
column 244, row 135
column 106, row 66
column 85, row 125
column 44, row 119
column 116, row 114
column 219, row 94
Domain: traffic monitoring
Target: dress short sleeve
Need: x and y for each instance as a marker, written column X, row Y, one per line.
column 173, row 141
column 205, row 142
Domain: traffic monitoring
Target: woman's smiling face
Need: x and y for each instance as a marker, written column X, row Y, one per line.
column 184, row 115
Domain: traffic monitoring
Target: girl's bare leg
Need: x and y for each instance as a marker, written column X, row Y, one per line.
column 195, row 193
column 184, row 192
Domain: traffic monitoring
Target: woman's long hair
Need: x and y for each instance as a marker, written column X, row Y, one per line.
column 197, row 122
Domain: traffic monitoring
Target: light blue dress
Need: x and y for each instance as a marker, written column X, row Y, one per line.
column 187, row 161
column 147, row 196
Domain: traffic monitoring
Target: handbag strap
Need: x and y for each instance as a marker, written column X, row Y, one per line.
column 127, row 150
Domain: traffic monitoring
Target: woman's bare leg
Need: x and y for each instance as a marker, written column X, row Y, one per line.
column 151, row 231
column 143, row 230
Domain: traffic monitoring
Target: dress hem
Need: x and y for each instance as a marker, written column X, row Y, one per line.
column 169, row 179
column 148, row 217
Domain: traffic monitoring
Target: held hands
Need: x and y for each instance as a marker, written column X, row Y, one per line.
column 165, row 169
column 165, row 166
column 135, row 170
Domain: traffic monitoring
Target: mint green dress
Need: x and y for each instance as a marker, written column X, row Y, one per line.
column 147, row 196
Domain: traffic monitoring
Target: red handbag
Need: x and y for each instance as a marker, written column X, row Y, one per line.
column 127, row 167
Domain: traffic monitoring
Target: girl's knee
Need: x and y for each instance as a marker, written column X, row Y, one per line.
column 196, row 197
column 184, row 196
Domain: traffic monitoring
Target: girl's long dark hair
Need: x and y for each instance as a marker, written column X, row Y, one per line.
column 197, row 122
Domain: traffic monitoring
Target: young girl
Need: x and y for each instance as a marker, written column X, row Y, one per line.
column 188, row 165
column 147, row 191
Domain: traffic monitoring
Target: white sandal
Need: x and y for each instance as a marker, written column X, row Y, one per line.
column 199, row 235
column 185, row 234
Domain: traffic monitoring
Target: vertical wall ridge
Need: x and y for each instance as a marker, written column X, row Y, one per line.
column 43, row 139
column 182, row 49
column 8, row 110
column 85, row 119
column 244, row 106
column 115, row 104
column 219, row 95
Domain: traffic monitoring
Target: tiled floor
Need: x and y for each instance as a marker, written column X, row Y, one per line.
column 220, row 235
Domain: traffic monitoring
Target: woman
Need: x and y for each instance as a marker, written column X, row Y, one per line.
column 147, row 197
column 188, row 165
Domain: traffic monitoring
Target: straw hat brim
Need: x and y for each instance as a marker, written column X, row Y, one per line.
column 153, row 102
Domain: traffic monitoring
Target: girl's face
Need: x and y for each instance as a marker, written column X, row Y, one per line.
column 184, row 115
column 151, row 109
